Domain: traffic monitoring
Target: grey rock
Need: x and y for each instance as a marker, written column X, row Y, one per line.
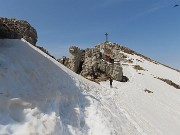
column 95, row 66
column 16, row 29
column 75, row 58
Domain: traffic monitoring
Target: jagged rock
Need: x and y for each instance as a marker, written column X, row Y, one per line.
column 90, row 65
column 64, row 60
column 75, row 58
column 115, row 71
column 94, row 64
column 16, row 29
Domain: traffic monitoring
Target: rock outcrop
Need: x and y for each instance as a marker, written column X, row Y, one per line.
column 16, row 29
column 75, row 58
column 98, row 63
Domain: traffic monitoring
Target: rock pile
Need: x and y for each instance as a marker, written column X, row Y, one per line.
column 16, row 29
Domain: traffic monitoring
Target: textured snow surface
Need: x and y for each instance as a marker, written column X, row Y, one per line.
column 40, row 96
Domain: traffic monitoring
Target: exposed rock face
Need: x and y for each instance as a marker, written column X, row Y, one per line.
column 64, row 60
column 96, row 64
column 114, row 70
column 16, row 29
column 75, row 58
column 92, row 62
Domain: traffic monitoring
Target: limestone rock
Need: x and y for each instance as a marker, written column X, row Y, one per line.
column 64, row 60
column 92, row 63
column 95, row 63
column 16, row 29
column 75, row 58
column 115, row 70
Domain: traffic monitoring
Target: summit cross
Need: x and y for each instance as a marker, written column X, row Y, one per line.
column 106, row 37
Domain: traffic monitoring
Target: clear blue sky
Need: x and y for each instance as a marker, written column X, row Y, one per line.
column 151, row 27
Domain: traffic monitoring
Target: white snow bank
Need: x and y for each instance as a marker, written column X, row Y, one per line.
column 36, row 95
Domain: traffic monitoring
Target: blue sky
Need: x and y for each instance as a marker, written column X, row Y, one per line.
column 150, row 27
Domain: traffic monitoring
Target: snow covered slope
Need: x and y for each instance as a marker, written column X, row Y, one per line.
column 151, row 104
column 37, row 96
column 40, row 96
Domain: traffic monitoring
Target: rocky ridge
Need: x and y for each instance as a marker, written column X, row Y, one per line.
column 17, row 29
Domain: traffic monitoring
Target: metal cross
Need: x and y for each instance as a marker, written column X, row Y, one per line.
column 106, row 37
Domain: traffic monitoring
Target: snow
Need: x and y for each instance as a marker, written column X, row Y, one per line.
column 40, row 96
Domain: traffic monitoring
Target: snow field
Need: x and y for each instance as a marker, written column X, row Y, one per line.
column 40, row 96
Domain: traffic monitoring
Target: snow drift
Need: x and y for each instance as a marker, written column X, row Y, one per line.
column 38, row 95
